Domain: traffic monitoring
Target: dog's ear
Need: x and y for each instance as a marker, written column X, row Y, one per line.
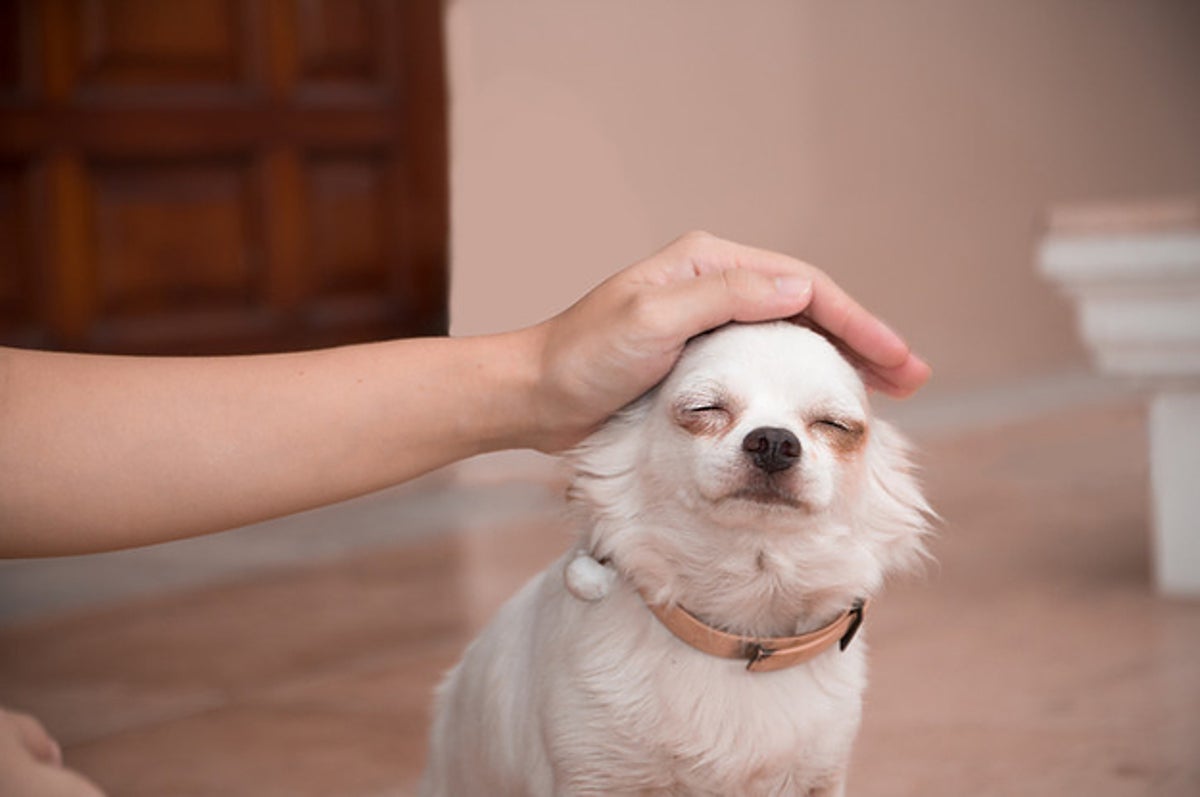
column 896, row 517
column 603, row 469
column 608, row 449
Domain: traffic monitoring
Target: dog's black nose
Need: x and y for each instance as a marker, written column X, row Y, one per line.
column 771, row 448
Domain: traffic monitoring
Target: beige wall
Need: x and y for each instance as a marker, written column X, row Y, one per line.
column 908, row 148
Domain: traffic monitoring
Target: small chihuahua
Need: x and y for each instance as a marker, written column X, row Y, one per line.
column 733, row 525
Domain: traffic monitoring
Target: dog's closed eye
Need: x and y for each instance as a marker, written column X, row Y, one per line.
column 846, row 436
column 848, row 427
column 704, row 415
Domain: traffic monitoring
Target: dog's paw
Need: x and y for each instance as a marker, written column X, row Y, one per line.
column 588, row 579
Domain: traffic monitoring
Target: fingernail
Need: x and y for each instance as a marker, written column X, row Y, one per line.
column 793, row 286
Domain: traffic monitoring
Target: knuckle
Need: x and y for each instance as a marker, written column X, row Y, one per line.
column 696, row 240
column 732, row 280
column 740, row 282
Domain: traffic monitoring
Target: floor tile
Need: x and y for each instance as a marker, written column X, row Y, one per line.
column 263, row 751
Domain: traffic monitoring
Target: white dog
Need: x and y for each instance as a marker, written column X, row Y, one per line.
column 732, row 524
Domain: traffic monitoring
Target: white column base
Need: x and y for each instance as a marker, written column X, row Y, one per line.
column 1133, row 271
column 1175, row 475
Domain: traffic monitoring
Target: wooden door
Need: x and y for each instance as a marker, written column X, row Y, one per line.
column 191, row 176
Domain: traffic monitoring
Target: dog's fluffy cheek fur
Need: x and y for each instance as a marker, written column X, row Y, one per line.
column 606, row 491
column 893, row 516
column 697, row 473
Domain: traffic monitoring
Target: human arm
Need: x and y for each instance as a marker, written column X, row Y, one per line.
column 99, row 453
column 102, row 452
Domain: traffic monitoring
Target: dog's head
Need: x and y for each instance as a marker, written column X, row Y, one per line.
column 753, row 477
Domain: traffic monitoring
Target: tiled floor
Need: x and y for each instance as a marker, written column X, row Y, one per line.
column 1033, row 659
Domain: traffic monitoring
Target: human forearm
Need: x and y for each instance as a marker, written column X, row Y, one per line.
column 105, row 452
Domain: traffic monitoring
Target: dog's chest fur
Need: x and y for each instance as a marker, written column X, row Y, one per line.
column 682, row 720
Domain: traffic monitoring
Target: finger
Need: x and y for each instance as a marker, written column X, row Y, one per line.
column 901, row 381
column 907, row 378
column 698, row 253
column 688, row 307
column 720, row 255
column 701, row 254
column 881, row 352
column 841, row 316
column 886, row 358
column 831, row 307
column 898, row 381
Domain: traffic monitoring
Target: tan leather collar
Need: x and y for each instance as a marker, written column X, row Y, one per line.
column 762, row 654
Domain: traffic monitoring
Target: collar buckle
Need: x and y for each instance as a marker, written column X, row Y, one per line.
column 856, row 620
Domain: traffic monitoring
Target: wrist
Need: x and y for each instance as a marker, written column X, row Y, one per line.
column 511, row 413
column 545, row 428
column 550, row 418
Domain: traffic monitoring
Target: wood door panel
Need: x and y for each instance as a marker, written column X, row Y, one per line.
column 172, row 236
column 344, row 41
column 12, row 49
column 348, row 201
column 154, row 43
column 221, row 175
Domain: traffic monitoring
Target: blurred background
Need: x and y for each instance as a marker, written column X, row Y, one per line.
column 910, row 149
column 216, row 176
column 210, row 175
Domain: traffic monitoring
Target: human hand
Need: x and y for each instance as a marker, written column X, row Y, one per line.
column 31, row 761
column 625, row 335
